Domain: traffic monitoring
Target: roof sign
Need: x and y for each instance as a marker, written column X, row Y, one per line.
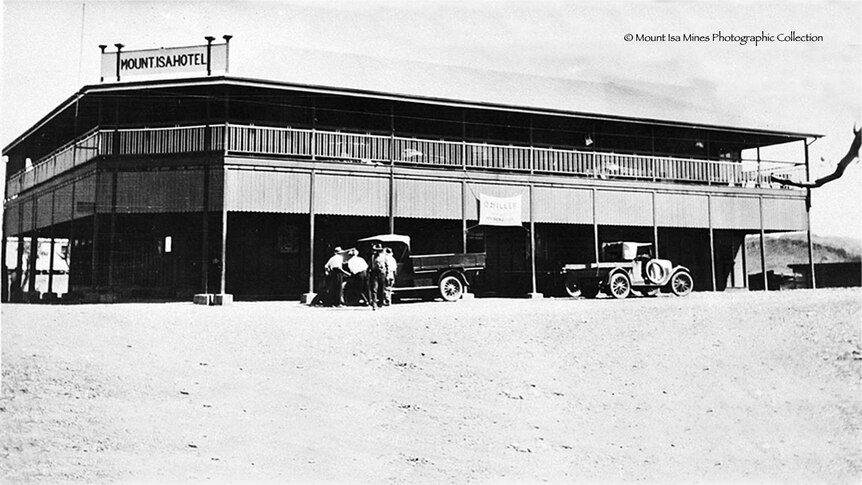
column 172, row 60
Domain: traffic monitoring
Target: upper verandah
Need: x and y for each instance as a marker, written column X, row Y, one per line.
column 223, row 99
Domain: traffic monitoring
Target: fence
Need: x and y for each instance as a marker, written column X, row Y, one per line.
column 367, row 148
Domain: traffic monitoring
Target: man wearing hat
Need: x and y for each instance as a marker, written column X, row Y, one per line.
column 379, row 271
column 334, row 273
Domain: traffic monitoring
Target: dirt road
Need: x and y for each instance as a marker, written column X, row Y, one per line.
column 710, row 388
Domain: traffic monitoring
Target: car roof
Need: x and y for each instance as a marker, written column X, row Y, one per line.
column 387, row 238
column 636, row 244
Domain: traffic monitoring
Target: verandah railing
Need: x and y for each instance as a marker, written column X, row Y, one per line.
column 366, row 148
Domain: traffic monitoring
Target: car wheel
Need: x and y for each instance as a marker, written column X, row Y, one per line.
column 619, row 286
column 572, row 289
column 681, row 283
column 451, row 288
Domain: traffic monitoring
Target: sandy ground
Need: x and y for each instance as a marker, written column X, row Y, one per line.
column 712, row 388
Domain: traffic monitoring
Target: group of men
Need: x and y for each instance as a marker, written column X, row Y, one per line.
column 375, row 281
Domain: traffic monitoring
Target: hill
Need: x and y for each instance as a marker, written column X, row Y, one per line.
column 792, row 248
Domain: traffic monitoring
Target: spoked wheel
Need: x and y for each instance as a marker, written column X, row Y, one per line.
column 451, row 288
column 619, row 286
column 572, row 289
column 681, row 283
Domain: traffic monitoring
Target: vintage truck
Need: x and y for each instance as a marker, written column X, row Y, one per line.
column 444, row 275
column 627, row 266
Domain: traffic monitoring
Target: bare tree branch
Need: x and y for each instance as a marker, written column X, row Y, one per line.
column 852, row 155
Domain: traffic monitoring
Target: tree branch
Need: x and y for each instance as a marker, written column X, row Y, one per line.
column 851, row 156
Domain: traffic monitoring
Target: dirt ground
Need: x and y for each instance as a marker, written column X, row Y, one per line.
column 711, row 388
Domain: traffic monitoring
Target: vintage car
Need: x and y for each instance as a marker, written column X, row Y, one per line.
column 443, row 275
column 627, row 266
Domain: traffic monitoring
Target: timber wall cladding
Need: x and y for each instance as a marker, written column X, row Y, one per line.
column 44, row 207
column 11, row 218
column 427, row 199
column 735, row 212
column 351, row 195
column 681, row 210
column 27, row 215
column 63, row 203
column 784, row 214
column 267, row 191
column 85, row 196
column 622, row 208
column 562, row 205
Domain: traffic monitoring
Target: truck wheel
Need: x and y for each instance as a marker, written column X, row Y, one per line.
column 619, row 286
column 451, row 288
column 572, row 289
column 590, row 291
column 681, row 283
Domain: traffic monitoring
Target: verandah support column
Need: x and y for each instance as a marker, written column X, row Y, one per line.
column 112, row 233
column 595, row 229
column 711, row 242
column 4, row 291
column 51, row 251
column 654, row 227
column 391, row 169
column 762, row 247
column 311, row 221
column 463, row 216
column 808, row 219
column 533, row 293
column 34, row 252
column 4, row 295
column 223, row 298
column 16, row 291
column 205, row 201
column 744, row 263
column 95, row 245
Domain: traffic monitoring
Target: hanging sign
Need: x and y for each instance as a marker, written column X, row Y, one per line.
column 174, row 60
column 499, row 211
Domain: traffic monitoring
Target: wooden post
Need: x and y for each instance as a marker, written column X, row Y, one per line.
column 51, row 251
column 205, row 202
column 391, row 170
column 654, row 226
column 311, row 234
column 464, row 216
column 744, row 264
column 113, row 230
column 70, row 248
column 808, row 219
column 759, row 176
column 711, row 241
column 532, row 243
column 762, row 248
column 95, row 245
column 4, row 294
column 595, row 228
column 222, row 288
column 34, row 250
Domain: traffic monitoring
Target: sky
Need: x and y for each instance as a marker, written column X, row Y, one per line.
column 49, row 50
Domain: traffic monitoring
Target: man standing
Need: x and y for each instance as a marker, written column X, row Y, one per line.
column 391, row 268
column 379, row 270
column 334, row 277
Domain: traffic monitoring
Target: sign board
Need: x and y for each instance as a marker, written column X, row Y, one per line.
column 499, row 211
column 173, row 60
